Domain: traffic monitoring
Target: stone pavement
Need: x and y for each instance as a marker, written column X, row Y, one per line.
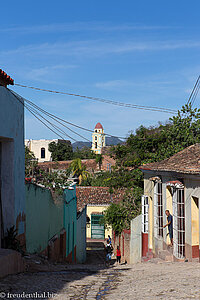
column 159, row 280
column 150, row 280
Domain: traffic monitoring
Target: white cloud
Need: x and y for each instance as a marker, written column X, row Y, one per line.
column 79, row 27
column 96, row 48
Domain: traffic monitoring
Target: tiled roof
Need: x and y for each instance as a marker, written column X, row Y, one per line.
column 186, row 161
column 63, row 165
column 97, row 195
column 5, row 78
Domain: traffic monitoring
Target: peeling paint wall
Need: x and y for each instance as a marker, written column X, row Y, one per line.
column 44, row 218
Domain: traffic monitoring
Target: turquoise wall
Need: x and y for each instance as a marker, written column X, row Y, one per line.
column 70, row 222
column 44, row 217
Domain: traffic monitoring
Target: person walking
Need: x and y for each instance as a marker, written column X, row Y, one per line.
column 108, row 249
column 170, row 225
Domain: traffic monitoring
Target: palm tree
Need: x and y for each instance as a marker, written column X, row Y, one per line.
column 99, row 160
column 79, row 170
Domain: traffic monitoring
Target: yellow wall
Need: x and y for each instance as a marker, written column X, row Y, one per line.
column 195, row 221
column 100, row 209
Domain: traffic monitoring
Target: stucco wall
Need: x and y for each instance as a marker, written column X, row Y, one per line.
column 191, row 189
column 44, row 218
column 12, row 169
column 136, row 240
column 81, row 237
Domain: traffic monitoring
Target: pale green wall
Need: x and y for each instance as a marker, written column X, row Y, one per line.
column 44, row 218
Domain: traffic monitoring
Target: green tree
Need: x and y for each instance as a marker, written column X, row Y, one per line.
column 61, row 151
column 79, row 170
column 84, row 153
column 119, row 215
column 30, row 162
column 160, row 142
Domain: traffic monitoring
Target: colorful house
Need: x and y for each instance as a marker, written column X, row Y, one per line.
column 172, row 184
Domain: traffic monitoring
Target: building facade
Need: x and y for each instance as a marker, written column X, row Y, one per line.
column 12, row 194
column 97, row 200
column 40, row 148
column 174, row 185
column 98, row 139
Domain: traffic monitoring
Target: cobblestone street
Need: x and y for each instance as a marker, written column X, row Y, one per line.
column 150, row 280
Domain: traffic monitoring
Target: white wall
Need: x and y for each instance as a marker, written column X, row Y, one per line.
column 136, row 240
column 36, row 145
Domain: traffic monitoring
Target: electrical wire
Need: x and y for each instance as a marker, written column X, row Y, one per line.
column 35, row 113
column 135, row 106
column 67, row 122
column 53, row 125
column 194, row 92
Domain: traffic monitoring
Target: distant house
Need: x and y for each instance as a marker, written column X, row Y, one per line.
column 12, row 195
column 172, row 184
column 40, row 148
column 97, row 200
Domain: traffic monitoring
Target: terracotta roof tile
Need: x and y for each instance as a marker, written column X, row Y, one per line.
column 186, row 161
column 6, row 78
column 97, row 195
column 98, row 126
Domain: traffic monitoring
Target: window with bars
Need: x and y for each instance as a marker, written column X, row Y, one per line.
column 145, row 211
column 179, row 223
column 158, row 210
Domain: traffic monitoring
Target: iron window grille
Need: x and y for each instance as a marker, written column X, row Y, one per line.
column 158, row 210
column 179, row 223
column 145, row 211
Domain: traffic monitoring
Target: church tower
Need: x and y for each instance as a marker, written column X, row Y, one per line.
column 98, row 139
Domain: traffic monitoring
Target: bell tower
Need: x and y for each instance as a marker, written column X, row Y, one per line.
column 98, row 139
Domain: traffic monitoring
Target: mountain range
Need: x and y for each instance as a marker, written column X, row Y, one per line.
column 110, row 141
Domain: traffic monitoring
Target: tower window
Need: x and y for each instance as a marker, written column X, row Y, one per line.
column 95, row 138
column 95, row 145
column 95, row 130
column 42, row 152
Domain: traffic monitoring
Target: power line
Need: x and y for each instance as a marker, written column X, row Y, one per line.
column 135, row 106
column 34, row 112
column 53, row 125
column 56, row 117
column 194, row 92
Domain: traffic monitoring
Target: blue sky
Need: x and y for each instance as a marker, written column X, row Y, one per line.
column 140, row 52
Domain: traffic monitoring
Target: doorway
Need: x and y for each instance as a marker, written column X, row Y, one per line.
column 97, row 230
column 195, row 226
